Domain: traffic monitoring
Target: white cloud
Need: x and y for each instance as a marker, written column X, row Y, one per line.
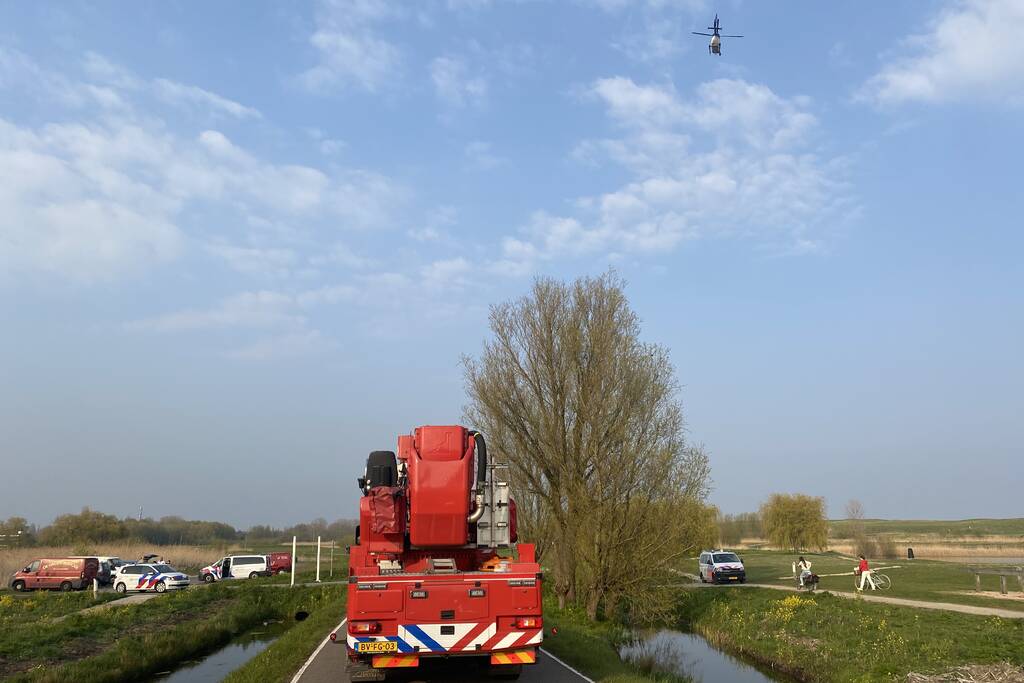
column 730, row 109
column 264, row 261
column 455, row 84
column 66, row 213
column 113, row 193
column 446, row 273
column 735, row 159
column 655, row 31
column 971, row 50
column 248, row 309
column 190, row 96
column 115, row 77
column 350, row 50
column 289, row 345
column 101, row 69
column 342, row 255
column 19, row 72
column 481, row 155
column 333, row 294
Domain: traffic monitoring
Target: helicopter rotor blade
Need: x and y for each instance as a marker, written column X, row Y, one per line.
column 697, row 33
column 725, row 36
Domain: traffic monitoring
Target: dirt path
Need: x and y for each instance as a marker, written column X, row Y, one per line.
column 903, row 602
column 129, row 600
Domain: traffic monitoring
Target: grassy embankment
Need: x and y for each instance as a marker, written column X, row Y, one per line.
column 592, row 648
column 133, row 642
column 960, row 528
column 15, row 607
column 286, row 655
column 828, row 639
column 914, row 579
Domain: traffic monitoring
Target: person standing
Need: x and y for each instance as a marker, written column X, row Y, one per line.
column 865, row 574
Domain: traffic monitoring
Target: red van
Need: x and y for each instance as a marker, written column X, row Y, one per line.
column 279, row 562
column 65, row 573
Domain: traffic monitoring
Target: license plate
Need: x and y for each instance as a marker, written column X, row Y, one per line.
column 378, row 646
column 733, row 578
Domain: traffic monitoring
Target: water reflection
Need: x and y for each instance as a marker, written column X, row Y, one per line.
column 687, row 654
column 216, row 666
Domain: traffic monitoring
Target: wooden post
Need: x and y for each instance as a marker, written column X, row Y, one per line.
column 977, row 581
column 1002, row 584
column 1020, row 580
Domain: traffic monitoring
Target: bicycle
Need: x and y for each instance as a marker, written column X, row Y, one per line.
column 882, row 582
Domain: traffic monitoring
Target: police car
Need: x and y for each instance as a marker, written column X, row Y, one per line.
column 148, row 577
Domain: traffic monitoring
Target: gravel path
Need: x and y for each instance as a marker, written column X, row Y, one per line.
column 903, row 602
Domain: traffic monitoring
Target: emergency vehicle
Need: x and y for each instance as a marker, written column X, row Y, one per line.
column 148, row 577
column 437, row 570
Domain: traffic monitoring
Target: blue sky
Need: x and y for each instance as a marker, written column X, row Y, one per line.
column 241, row 245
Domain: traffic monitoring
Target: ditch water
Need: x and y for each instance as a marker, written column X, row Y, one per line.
column 687, row 654
column 216, row 665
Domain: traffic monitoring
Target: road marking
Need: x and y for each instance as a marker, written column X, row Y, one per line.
column 588, row 680
column 298, row 674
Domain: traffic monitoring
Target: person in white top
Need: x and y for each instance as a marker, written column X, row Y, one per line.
column 804, row 567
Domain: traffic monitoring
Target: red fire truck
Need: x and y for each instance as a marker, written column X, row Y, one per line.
column 436, row 571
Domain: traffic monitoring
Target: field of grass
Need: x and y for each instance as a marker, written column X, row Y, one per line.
column 827, row 639
column 15, row 608
column 915, row 580
column 134, row 641
column 961, row 528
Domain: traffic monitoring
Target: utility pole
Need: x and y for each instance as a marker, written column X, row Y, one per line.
column 293, row 560
column 140, row 513
column 318, row 559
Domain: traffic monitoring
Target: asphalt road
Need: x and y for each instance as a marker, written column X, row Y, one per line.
column 328, row 666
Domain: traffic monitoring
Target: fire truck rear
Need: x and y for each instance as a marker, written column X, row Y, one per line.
column 436, row 571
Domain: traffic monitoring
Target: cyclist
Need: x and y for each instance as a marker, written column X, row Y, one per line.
column 865, row 574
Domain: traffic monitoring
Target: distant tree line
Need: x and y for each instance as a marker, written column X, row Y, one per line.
column 732, row 529
column 91, row 526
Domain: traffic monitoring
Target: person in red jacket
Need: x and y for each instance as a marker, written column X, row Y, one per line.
column 865, row 574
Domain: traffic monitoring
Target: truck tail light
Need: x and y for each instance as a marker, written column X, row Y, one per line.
column 529, row 622
column 364, row 627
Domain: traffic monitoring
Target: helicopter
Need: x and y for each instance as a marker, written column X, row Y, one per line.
column 715, row 46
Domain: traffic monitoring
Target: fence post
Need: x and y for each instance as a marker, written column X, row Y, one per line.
column 977, row 582
column 318, row 560
column 332, row 565
column 95, row 587
column 1002, row 584
column 293, row 560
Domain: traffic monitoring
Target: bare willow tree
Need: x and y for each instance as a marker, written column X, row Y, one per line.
column 586, row 415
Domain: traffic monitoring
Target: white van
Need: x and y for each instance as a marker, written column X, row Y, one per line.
column 721, row 566
column 236, row 567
